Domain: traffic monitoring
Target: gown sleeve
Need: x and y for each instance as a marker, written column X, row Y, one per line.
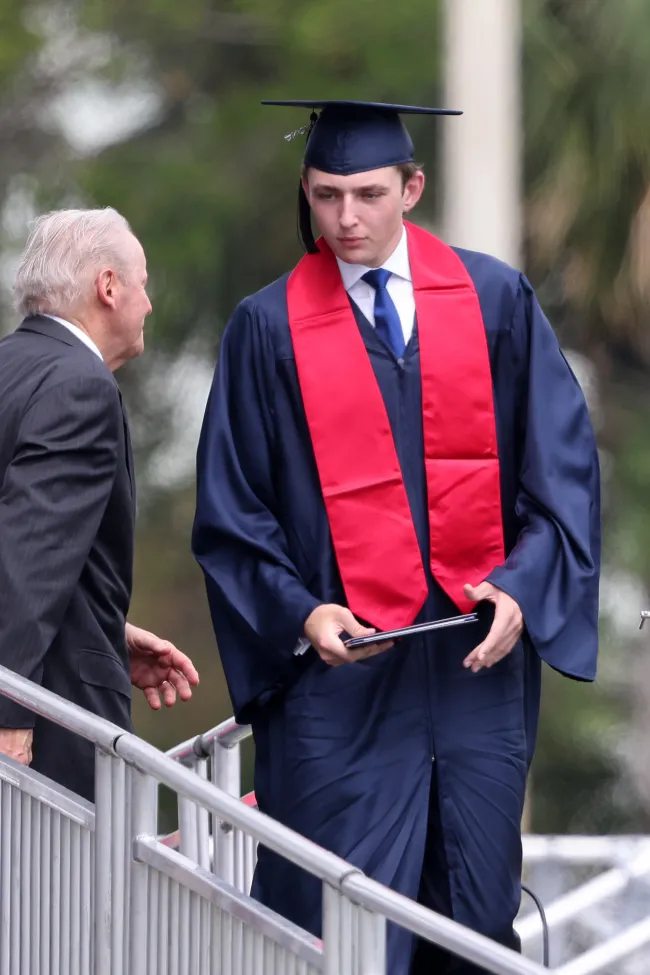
column 553, row 569
column 258, row 601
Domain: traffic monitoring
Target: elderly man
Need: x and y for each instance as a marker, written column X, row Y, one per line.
column 67, row 491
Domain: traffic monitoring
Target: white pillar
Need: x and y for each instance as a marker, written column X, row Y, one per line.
column 482, row 148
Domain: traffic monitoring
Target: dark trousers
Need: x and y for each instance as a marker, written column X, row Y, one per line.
column 434, row 893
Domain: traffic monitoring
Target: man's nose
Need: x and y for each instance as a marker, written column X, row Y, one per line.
column 347, row 216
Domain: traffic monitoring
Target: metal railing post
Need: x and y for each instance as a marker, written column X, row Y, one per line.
column 144, row 790
column 188, row 841
column 372, row 943
column 226, row 775
column 354, row 939
column 110, row 867
column 203, row 823
column 6, row 869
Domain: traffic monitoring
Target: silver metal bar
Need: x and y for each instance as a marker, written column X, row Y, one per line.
column 248, row 950
column 194, row 934
column 22, row 893
column 227, row 899
column 55, row 894
column 57, row 709
column 592, row 892
column 250, row 857
column 143, row 910
column 184, row 926
column 119, row 816
column 237, row 945
column 86, row 891
column 229, row 733
column 240, row 865
column 46, row 887
column 46, row 792
column 220, row 942
column 331, row 930
column 226, row 768
column 226, row 775
column 14, row 883
column 103, row 886
column 345, row 936
column 151, row 933
column 304, row 853
column 601, row 958
column 203, row 822
column 187, row 827
column 65, row 906
column 448, row 934
column 589, row 850
column 164, row 922
column 35, row 890
column 372, row 943
column 207, row 935
column 6, row 791
column 174, row 906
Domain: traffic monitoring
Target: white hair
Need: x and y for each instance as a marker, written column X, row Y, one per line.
column 65, row 251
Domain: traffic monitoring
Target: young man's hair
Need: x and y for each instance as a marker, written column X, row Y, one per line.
column 406, row 170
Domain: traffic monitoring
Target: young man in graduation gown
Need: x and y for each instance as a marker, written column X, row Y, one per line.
column 393, row 435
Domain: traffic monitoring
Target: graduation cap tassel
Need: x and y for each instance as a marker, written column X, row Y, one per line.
column 305, row 232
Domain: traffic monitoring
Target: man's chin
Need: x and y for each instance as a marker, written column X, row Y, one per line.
column 134, row 350
column 352, row 252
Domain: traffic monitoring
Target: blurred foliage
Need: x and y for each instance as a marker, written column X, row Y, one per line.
column 587, row 168
column 209, row 185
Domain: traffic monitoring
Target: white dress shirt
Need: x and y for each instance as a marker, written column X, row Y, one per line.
column 399, row 286
column 86, row 339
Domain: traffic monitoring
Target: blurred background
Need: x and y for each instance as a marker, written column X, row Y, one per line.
column 152, row 106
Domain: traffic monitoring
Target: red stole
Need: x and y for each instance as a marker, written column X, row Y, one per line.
column 367, row 507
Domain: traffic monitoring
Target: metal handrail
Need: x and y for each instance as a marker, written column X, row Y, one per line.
column 227, row 734
column 319, row 862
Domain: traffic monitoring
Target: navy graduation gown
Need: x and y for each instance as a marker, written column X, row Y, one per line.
column 344, row 755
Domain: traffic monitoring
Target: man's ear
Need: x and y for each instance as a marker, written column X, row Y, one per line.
column 413, row 190
column 106, row 287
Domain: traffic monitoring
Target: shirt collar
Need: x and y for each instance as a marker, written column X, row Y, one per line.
column 397, row 263
column 80, row 334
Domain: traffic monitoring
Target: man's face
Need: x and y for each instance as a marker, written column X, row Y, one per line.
column 132, row 303
column 360, row 216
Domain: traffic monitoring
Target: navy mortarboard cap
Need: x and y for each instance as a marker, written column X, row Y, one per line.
column 352, row 137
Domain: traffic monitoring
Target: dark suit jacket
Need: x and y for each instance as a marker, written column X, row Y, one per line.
column 66, row 537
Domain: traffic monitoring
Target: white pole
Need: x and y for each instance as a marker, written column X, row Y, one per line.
column 482, row 150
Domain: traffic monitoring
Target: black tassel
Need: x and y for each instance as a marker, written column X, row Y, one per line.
column 305, row 232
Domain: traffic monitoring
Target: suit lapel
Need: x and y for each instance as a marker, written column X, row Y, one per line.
column 128, row 449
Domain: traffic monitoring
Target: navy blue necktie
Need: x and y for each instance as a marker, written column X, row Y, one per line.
column 387, row 321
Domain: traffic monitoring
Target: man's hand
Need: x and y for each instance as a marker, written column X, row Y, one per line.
column 323, row 630
column 506, row 628
column 157, row 667
column 17, row 744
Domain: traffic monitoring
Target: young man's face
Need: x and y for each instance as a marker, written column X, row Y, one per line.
column 360, row 216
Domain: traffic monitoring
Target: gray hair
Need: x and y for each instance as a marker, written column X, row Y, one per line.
column 65, row 250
